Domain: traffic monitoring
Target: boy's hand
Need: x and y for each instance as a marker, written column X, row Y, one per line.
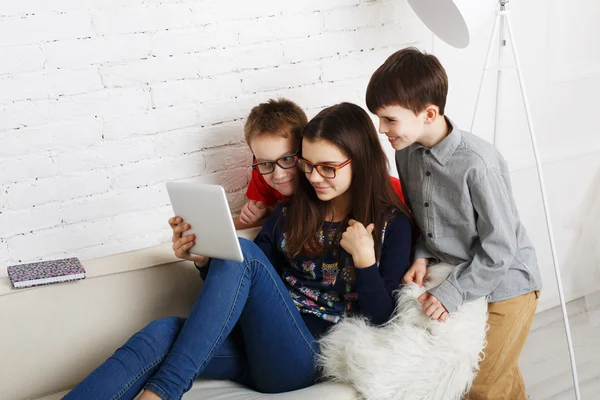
column 253, row 211
column 416, row 273
column 182, row 245
column 358, row 242
column 432, row 307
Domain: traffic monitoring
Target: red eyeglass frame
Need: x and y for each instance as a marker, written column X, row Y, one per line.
column 336, row 168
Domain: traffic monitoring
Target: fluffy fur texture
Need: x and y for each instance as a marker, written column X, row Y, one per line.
column 412, row 356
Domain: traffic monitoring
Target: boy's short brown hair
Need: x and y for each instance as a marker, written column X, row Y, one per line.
column 281, row 117
column 411, row 79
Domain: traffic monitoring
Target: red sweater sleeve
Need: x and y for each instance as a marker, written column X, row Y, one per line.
column 259, row 190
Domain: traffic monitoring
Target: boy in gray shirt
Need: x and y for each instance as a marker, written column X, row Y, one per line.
column 458, row 188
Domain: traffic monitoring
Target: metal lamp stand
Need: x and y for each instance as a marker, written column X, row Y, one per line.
column 504, row 26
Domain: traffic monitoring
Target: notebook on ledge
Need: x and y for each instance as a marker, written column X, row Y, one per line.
column 45, row 272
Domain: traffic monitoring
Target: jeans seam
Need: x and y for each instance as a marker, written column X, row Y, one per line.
column 228, row 318
column 137, row 377
column 248, row 263
column 306, row 342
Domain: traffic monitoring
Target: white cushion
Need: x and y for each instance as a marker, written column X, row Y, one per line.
column 221, row 390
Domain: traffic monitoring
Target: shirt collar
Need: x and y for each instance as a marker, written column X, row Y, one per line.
column 444, row 149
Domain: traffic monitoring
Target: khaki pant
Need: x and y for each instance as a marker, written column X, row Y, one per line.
column 499, row 377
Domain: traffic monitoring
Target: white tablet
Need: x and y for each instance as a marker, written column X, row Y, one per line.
column 205, row 209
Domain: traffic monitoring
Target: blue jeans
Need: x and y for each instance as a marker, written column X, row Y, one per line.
column 243, row 327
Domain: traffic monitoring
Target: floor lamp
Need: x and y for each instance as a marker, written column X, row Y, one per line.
column 453, row 21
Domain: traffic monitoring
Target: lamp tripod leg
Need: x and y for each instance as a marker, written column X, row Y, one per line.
column 485, row 70
column 499, row 75
column 501, row 23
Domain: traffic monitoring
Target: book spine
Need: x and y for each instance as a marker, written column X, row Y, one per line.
column 45, row 281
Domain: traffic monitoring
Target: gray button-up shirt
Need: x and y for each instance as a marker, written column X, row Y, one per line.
column 460, row 194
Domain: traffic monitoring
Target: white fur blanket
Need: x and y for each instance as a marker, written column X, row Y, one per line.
column 412, row 357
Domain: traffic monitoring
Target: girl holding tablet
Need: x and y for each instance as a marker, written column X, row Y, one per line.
column 338, row 248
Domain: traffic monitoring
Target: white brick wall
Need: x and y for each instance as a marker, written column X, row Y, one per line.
column 45, row 27
column 47, row 85
column 100, row 50
column 102, row 101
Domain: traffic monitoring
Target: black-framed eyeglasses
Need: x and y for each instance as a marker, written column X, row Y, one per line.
column 268, row 167
column 327, row 171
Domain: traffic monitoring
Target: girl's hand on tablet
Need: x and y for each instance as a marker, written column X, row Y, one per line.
column 182, row 244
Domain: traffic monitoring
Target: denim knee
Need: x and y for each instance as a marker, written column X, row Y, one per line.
column 250, row 249
column 253, row 259
column 161, row 332
column 247, row 245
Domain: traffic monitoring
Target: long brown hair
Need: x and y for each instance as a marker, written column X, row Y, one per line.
column 373, row 198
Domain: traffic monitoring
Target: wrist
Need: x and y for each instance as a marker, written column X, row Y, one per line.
column 421, row 261
column 364, row 260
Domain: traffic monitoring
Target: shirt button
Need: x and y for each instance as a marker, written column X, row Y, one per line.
column 427, row 151
column 430, row 235
column 426, row 204
column 428, row 173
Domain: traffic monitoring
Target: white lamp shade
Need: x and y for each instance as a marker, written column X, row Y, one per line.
column 454, row 21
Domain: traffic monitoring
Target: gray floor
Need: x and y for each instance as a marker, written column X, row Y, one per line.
column 545, row 359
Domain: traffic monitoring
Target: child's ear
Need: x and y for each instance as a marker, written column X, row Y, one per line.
column 431, row 113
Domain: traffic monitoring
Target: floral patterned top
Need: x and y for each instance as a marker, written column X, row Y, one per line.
column 328, row 286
